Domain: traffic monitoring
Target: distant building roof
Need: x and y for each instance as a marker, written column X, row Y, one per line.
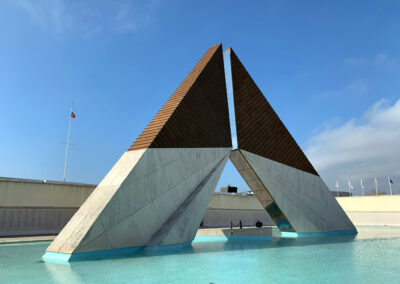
column 44, row 181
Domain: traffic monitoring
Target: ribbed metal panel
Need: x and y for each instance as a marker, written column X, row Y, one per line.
column 196, row 115
column 259, row 129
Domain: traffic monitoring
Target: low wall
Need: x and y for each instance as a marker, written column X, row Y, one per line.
column 372, row 210
column 37, row 193
column 225, row 208
column 378, row 203
column 32, row 207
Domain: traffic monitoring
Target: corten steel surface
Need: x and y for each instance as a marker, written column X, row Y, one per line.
column 196, row 115
column 259, row 129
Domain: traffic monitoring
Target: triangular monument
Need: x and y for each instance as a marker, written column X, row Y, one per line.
column 158, row 191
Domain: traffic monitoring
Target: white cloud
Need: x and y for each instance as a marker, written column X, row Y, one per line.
column 353, row 88
column 88, row 18
column 46, row 13
column 359, row 148
column 359, row 86
column 356, row 61
column 380, row 60
column 126, row 18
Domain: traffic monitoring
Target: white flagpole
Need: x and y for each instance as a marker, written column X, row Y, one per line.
column 362, row 188
column 376, row 186
column 390, row 186
column 66, row 148
column 337, row 188
column 349, row 183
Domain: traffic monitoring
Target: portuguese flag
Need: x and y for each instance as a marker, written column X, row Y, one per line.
column 73, row 114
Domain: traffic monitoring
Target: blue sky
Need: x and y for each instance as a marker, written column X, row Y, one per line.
column 329, row 68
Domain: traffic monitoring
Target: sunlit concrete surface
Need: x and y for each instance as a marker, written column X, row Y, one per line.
column 146, row 198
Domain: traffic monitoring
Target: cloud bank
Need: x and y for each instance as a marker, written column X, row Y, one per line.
column 365, row 148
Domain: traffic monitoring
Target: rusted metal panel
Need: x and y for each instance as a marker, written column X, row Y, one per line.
column 259, row 129
column 196, row 115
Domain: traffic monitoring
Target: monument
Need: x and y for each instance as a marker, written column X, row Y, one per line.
column 158, row 191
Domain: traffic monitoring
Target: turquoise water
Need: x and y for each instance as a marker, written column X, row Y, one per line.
column 373, row 256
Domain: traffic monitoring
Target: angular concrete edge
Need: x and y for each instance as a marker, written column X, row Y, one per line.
column 74, row 232
column 303, row 198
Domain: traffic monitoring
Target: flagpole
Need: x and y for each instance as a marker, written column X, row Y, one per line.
column 390, row 186
column 362, row 187
column 349, row 183
column 376, row 186
column 66, row 148
column 337, row 188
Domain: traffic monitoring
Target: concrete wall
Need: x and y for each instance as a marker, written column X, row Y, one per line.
column 378, row 203
column 234, row 202
column 225, row 208
column 32, row 207
column 372, row 210
column 37, row 193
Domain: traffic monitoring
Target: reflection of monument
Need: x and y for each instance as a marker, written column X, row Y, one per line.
column 158, row 191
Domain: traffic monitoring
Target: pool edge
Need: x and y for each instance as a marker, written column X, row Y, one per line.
column 317, row 234
column 67, row 258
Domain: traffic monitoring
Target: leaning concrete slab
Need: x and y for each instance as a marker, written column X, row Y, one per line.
column 299, row 198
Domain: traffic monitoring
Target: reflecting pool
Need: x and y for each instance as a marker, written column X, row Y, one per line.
column 372, row 256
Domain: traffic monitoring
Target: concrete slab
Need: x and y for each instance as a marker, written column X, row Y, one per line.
column 302, row 197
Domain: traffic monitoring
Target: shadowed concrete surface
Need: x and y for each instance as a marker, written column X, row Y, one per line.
column 303, row 198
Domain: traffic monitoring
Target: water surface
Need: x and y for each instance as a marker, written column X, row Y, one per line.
column 373, row 256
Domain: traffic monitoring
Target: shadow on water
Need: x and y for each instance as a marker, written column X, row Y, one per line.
column 245, row 244
column 223, row 245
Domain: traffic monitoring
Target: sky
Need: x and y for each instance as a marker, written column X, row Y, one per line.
column 330, row 69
